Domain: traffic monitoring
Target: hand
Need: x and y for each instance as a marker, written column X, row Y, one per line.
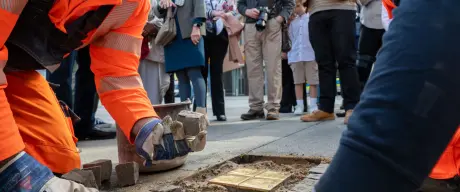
column 196, row 35
column 284, row 55
column 149, row 30
column 252, row 13
column 220, row 14
column 165, row 140
column 280, row 19
column 164, row 4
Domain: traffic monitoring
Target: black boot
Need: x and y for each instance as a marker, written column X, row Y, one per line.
column 253, row 114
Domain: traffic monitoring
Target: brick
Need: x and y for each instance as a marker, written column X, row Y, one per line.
column 84, row 177
column 97, row 174
column 106, row 168
column 127, row 173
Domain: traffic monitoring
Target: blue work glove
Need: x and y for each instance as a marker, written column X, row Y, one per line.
column 24, row 173
column 155, row 141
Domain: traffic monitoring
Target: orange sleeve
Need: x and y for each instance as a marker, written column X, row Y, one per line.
column 10, row 139
column 114, row 61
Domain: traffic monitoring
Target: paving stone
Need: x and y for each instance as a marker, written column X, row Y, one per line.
column 229, row 180
column 305, row 185
column 251, row 179
column 84, row 177
column 314, row 176
column 97, row 174
column 320, row 169
column 260, row 184
column 106, row 168
column 127, row 173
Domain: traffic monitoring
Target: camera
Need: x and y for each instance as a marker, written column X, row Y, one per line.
column 262, row 20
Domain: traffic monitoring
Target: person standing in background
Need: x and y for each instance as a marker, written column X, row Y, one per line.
column 264, row 44
column 370, row 39
column 85, row 100
column 302, row 59
column 185, row 54
column 152, row 67
column 332, row 35
column 216, row 46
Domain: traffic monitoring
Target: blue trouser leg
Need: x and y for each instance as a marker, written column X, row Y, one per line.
column 185, row 90
column 199, row 86
column 63, row 77
column 410, row 107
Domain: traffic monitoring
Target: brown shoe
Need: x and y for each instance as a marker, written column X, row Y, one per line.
column 347, row 116
column 317, row 115
column 273, row 114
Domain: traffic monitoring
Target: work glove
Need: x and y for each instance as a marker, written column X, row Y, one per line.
column 24, row 173
column 165, row 140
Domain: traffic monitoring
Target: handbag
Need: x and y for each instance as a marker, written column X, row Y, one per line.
column 167, row 32
column 286, row 43
column 145, row 49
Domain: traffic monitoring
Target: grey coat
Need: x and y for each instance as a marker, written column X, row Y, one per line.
column 185, row 15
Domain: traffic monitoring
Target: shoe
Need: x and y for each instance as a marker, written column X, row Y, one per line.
column 347, row 116
column 299, row 110
column 286, row 109
column 253, row 114
column 340, row 114
column 221, row 118
column 100, row 131
column 273, row 114
column 317, row 115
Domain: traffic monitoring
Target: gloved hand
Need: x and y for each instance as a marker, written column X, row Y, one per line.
column 165, row 140
column 24, row 173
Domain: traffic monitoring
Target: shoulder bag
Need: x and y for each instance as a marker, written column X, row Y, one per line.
column 167, row 32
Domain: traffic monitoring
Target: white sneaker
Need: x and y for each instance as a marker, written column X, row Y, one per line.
column 298, row 110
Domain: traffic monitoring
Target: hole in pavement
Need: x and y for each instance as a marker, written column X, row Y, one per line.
column 247, row 173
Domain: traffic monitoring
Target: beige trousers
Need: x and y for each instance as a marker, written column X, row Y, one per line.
column 155, row 80
column 263, row 48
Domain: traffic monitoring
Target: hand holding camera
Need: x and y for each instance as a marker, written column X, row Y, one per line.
column 252, row 13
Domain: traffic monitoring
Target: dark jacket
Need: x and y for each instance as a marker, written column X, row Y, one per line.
column 283, row 8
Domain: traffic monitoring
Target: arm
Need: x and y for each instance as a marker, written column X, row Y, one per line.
column 288, row 7
column 157, row 10
column 396, row 135
column 114, row 61
column 209, row 10
column 11, row 141
column 199, row 12
column 241, row 5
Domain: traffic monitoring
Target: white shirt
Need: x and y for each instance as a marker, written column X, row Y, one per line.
column 385, row 18
column 371, row 14
column 301, row 46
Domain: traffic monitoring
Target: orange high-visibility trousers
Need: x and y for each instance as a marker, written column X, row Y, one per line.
column 45, row 131
column 448, row 164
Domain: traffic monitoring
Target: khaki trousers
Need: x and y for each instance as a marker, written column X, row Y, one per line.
column 263, row 47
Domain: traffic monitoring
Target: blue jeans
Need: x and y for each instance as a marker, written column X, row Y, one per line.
column 410, row 107
column 199, row 87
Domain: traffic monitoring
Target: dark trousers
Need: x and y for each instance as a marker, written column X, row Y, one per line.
column 86, row 99
column 288, row 98
column 370, row 41
column 332, row 35
column 410, row 107
column 169, row 95
column 215, row 50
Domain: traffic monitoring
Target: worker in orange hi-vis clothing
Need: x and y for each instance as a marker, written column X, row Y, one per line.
column 36, row 140
column 447, row 168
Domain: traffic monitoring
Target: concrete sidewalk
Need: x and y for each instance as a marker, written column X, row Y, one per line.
column 288, row 136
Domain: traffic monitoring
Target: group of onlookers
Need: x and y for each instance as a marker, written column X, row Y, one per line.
column 322, row 36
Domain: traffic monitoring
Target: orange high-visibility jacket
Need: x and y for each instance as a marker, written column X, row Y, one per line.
column 389, row 6
column 115, row 51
